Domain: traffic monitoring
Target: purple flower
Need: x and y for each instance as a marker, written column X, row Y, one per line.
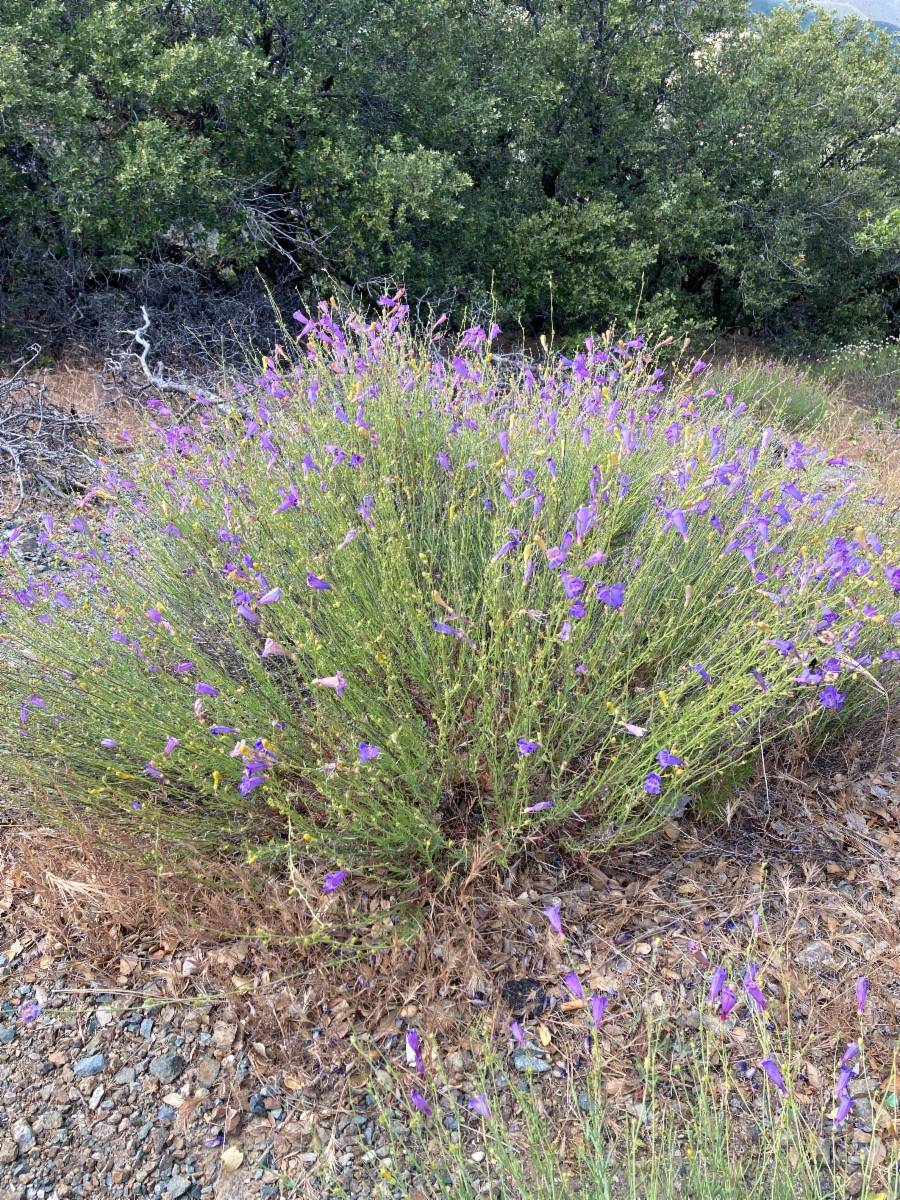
column 844, row 1078
column 771, row 1069
column 444, row 461
column 862, row 991
column 830, row 697
column 153, row 771
column 729, row 1000
column 205, row 689
column 171, row 743
column 552, row 915
column 110, row 744
column 756, row 921
column 612, row 596
column 598, row 1008
column 479, row 1105
column 214, row 1141
column 849, row 1054
column 843, row 1110
column 565, row 631
column 270, row 596
column 338, row 682
column 182, row 668
column 751, row 987
column 696, row 951
column 634, row 730
column 420, row 1102
column 699, row 366
column 540, row 806
column 334, row 880
column 573, row 983
column 716, row 983
column 518, row 1033
column 413, row 1053
column 666, row 758
column 676, row 519
column 314, row 581
column 652, row 784
column 584, row 522
column 702, row 672
column 367, row 752
column 759, row 679
column 29, row 1010
column 527, row 747
column 222, row 729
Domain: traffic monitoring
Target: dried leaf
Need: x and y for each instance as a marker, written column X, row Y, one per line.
column 231, row 1159
column 544, row 1035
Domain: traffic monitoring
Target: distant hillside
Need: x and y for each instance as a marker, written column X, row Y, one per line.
column 885, row 13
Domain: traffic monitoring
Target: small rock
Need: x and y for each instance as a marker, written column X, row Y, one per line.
column 165, row 1113
column 529, row 1062
column 309, row 1158
column 816, row 954
column 125, row 1075
column 455, row 1062
column 478, row 1156
column 585, row 1103
column 258, row 1105
column 854, row 1184
column 858, row 1087
column 178, row 1185
column 104, row 1016
column 7, row 1035
column 223, row 1035
column 146, row 1027
column 232, row 1159
column 23, row 1137
column 9, row 1152
column 166, row 1068
column 86, row 1067
column 525, row 997
column 208, row 1071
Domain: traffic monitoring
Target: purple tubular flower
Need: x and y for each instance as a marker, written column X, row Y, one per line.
column 666, row 758
column 598, row 1008
column 314, row 581
column 771, row 1069
column 222, row 729
column 171, row 743
column 540, row 806
column 849, row 1054
column 420, row 1102
column 751, row 987
column 635, row 730
column 565, row 631
column 110, row 744
column 862, row 991
column 214, row 1141
column 367, row 752
column 444, row 461
column 479, row 1105
column 729, row 1000
column 843, row 1110
column 183, row 668
column 612, row 596
column 334, row 880
column 29, row 1010
column 552, row 915
column 702, row 672
column 843, row 1079
column 696, row 951
column 759, row 679
column 830, row 697
column 573, row 983
column 526, row 747
column 716, row 983
column 270, row 596
column 413, row 1053
column 756, row 922
column 652, row 784
column 248, row 614
column 518, row 1033
column 153, row 771
column 205, row 689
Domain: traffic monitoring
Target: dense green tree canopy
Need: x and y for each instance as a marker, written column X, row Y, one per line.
column 592, row 155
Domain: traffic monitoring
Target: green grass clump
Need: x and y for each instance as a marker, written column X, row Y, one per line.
column 402, row 603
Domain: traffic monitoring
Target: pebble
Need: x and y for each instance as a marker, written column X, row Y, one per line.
column 258, row 1105
column 529, row 1062
column 7, row 1035
column 86, row 1067
column 816, row 954
column 146, row 1027
column 23, row 1137
column 208, row 1071
column 167, row 1067
column 125, row 1075
column 178, row 1185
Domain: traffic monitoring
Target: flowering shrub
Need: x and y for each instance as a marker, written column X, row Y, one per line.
column 398, row 601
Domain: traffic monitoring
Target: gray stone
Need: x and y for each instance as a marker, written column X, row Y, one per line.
column 146, row 1027
column 7, row 1035
column 86, row 1067
column 208, row 1071
column 23, row 1137
column 165, row 1113
column 816, row 954
column 167, row 1067
column 178, row 1185
column 125, row 1075
column 529, row 1062
column 455, row 1062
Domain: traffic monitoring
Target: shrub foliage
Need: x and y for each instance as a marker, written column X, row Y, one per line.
column 402, row 599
